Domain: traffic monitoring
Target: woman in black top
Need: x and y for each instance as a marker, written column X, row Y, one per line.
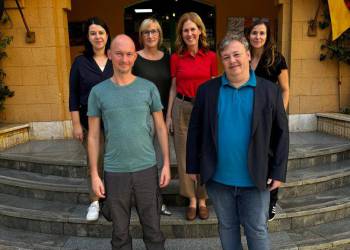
column 153, row 64
column 268, row 63
column 88, row 70
column 266, row 60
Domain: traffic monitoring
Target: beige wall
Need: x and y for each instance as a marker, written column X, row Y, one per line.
column 314, row 84
column 37, row 72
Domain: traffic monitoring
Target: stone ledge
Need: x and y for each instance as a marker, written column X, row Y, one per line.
column 335, row 116
column 334, row 124
column 13, row 134
column 6, row 128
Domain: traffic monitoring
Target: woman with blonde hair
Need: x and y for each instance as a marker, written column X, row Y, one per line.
column 191, row 65
column 154, row 65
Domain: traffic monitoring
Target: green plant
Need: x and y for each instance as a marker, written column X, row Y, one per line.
column 338, row 49
column 5, row 92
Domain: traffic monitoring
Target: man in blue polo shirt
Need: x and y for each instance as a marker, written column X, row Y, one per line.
column 238, row 143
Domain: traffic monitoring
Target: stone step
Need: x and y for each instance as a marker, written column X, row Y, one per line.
column 44, row 187
column 64, row 189
column 305, row 211
column 49, row 157
column 333, row 235
column 69, row 219
column 67, row 157
column 308, row 149
column 74, row 190
column 305, row 181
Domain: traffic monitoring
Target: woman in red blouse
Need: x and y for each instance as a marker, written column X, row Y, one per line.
column 191, row 65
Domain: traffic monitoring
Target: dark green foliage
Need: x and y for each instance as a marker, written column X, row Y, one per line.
column 4, row 42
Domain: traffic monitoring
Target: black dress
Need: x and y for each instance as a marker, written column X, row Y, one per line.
column 271, row 73
column 156, row 71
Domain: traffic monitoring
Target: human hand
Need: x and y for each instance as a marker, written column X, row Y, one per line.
column 165, row 176
column 193, row 177
column 169, row 124
column 98, row 187
column 273, row 184
column 78, row 132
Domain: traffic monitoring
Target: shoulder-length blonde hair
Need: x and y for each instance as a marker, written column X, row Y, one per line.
column 179, row 43
column 144, row 25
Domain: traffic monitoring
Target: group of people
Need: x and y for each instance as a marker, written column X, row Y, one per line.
column 230, row 131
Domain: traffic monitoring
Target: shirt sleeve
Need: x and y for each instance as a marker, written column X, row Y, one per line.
column 280, row 63
column 74, row 95
column 213, row 64
column 94, row 107
column 173, row 64
column 283, row 63
column 156, row 104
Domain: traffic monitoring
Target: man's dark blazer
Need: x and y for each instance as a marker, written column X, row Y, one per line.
column 269, row 143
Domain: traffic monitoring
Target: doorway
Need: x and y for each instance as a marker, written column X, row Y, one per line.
column 167, row 12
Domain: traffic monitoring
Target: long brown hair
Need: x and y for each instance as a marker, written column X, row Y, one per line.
column 179, row 43
column 270, row 48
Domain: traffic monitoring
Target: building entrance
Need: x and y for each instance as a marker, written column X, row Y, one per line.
column 167, row 12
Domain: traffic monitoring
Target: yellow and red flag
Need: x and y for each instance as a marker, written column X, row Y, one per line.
column 340, row 17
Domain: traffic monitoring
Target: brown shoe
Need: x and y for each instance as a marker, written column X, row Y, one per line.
column 191, row 213
column 203, row 213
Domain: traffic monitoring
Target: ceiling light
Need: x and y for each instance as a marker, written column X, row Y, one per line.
column 143, row 10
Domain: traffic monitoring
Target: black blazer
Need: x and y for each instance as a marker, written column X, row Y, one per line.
column 269, row 145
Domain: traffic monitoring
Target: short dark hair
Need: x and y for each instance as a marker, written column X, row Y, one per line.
column 230, row 37
column 88, row 50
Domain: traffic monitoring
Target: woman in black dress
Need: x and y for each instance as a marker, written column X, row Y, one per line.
column 270, row 64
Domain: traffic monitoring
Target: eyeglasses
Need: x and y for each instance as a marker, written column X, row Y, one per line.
column 150, row 32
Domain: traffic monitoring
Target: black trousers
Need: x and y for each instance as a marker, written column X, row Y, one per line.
column 120, row 190
column 274, row 196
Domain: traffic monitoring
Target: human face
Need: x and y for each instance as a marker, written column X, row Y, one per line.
column 122, row 54
column 190, row 34
column 257, row 36
column 150, row 36
column 97, row 37
column 235, row 59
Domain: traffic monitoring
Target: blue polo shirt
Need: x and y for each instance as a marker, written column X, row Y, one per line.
column 235, row 115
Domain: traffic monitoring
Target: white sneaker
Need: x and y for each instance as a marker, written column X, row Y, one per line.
column 93, row 211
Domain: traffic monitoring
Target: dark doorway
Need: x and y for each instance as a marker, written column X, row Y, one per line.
column 167, row 12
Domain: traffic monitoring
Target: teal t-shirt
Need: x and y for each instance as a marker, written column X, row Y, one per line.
column 126, row 112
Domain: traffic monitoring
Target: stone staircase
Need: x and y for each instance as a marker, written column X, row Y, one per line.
column 43, row 200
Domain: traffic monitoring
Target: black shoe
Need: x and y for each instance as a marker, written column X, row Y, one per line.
column 164, row 210
column 272, row 211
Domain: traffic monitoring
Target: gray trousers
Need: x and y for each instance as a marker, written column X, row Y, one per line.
column 143, row 186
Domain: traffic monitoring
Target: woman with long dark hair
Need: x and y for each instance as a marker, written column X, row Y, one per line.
column 270, row 64
column 89, row 69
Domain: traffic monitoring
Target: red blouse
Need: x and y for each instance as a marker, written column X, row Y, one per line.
column 192, row 71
